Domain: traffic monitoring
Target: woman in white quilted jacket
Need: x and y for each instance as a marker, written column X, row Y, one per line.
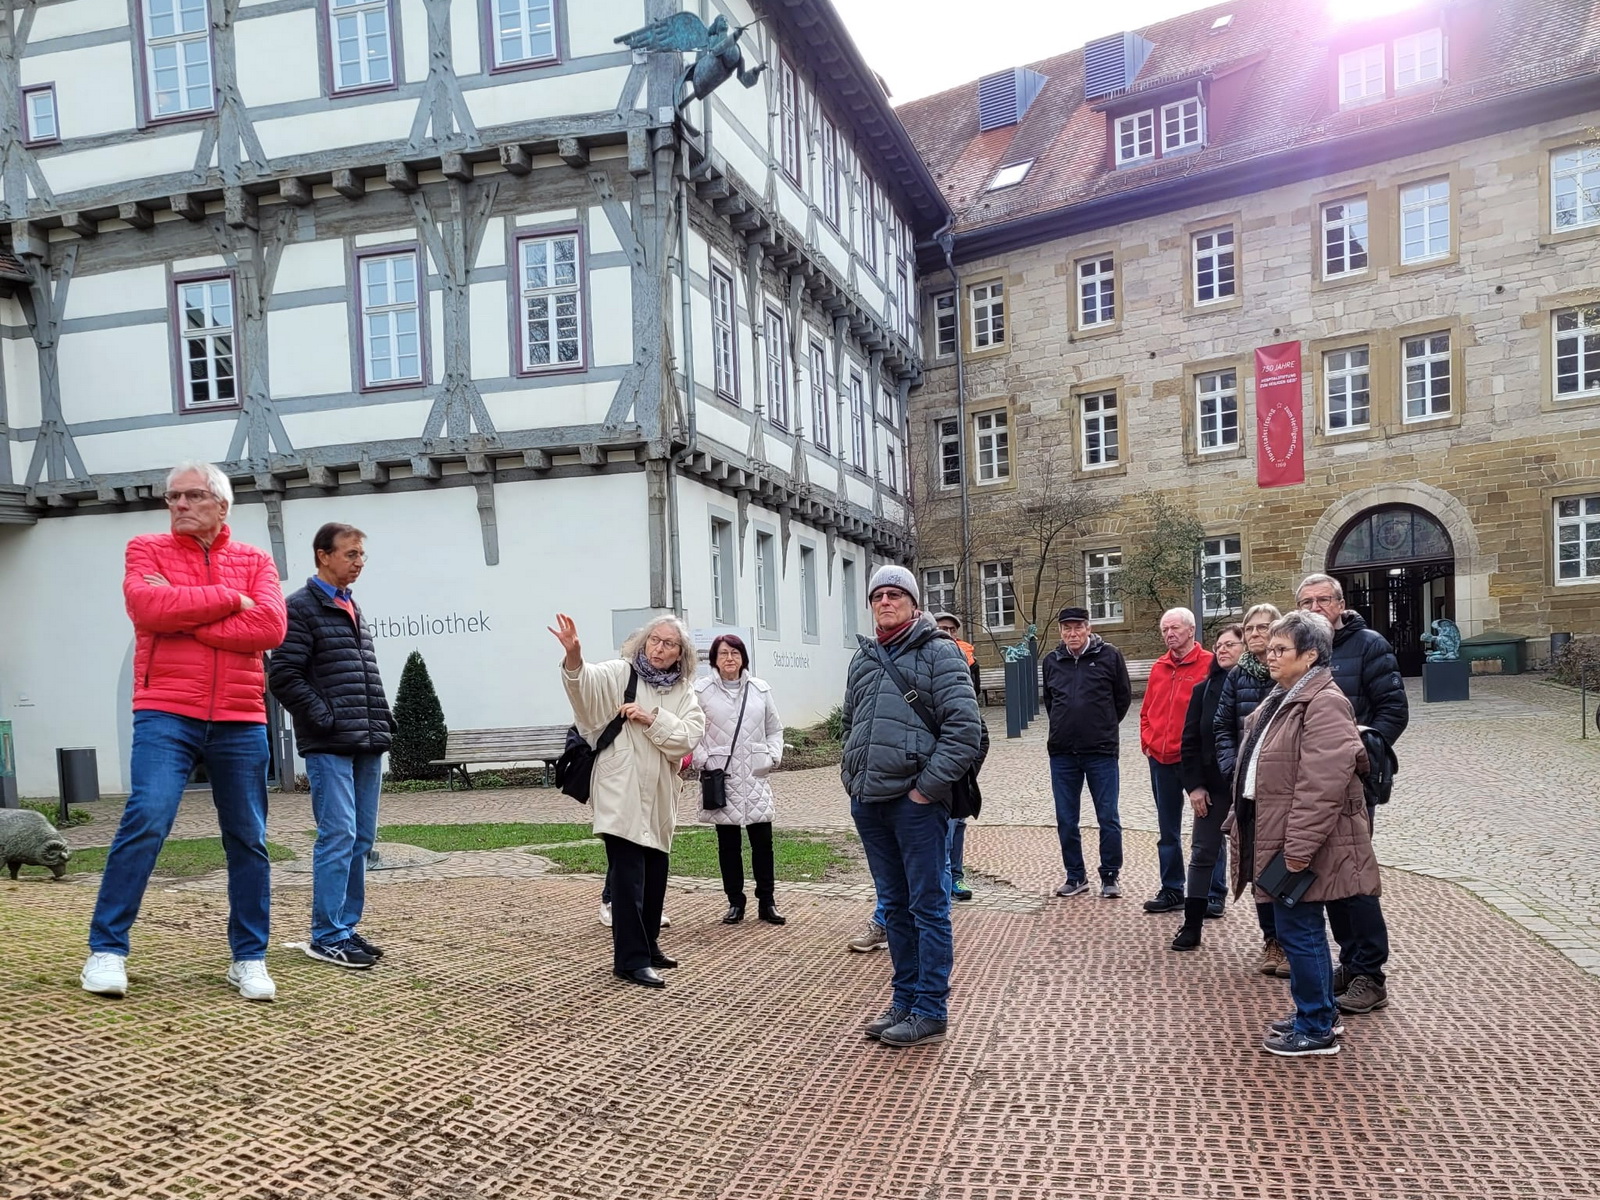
column 726, row 693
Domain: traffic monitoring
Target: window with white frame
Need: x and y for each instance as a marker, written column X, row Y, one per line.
column 40, row 125
column 1097, row 419
column 777, row 370
column 949, row 433
column 206, row 342
column 766, row 582
column 1361, row 75
column 1221, row 575
column 1577, row 539
column 362, row 45
column 1097, row 291
column 1347, row 389
column 808, row 591
column 992, row 440
column 939, row 590
column 177, row 53
column 1213, row 265
column 1216, row 403
column 724, row 572
column 1577, row 333
column 944, row 325
column 869, row 224
column 908, row 318
column 852, row 599
column 999, row 601
column 1418, row 58
column 820, row 425
column 391, row 341
column 522, row 31
column 1426, row 361
column 1009, row 175
column 1344, row 237
column 1425, row 221
column 724, row 340
column 552, row 302
column 858, row 422
column 831, row 167
column 988, row 305
column 1575, row 187
column 1136, row 137
column 789, row 98
column 891, row 468
column 1181, row 125
column 1101, row 570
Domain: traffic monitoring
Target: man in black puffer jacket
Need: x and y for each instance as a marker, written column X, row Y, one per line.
column 326, row 675
column 1365, row 668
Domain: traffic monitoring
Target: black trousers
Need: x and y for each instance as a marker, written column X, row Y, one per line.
column 730, row 859
column 637, row 878
column 1359, row 928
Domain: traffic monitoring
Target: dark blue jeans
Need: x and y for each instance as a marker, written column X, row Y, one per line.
column 905, row 847
column 955, row 841
column 1067, row 773
column 1304, row 938
column 1170, row 805
column 344, row 803
column 165, row 751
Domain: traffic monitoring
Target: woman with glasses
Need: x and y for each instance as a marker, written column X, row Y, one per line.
column 633, row 792
column 744, row 738
column 1246, row 687
column 1299, row 775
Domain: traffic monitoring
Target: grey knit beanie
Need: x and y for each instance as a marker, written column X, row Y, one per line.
column 894, row 575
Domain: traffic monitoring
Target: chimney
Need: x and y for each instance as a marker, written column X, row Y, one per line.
column 1110, row 64
column 1003, row 98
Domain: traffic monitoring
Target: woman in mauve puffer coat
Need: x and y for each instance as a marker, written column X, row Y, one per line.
column 747, row 759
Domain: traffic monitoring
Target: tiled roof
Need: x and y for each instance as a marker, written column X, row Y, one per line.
column 1278, row 59
column 11, row 267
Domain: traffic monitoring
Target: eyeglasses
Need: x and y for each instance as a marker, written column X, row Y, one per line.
column 1276, row 651
column 659, row 643
column 1226, row 644
column 354, row 556
column 192, row 495
column 892, row 595
column 1261, row 628
column 1317, row 602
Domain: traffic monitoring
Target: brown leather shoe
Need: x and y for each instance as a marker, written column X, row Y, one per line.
column 1273, row 961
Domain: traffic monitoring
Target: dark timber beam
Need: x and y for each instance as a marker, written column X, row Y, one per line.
column 348, row 184
column 81, row 224
column 188, row 206
column 516, row 159
column 239, row 209
column 573, row 152
column 295, row 191
column 455, row 166
column 28, row 240
column 401, row 177
column 136, row 215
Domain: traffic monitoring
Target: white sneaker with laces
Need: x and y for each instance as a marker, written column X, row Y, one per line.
column 605, row 914
column 105, row 974
column 666, row 921
column 251, row 978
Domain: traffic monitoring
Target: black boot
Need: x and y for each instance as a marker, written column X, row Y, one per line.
column 768, row 912
column 1194, row 916
column 734, row 915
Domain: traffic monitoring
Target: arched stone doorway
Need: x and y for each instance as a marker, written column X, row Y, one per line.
column 1397, row 567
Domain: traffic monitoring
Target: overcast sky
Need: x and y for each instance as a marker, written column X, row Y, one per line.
column 924, row 46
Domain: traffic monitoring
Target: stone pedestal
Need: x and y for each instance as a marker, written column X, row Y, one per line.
column 1446, row 681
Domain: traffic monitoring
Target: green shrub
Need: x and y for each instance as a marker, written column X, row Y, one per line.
column 52, row 813
column 420, row 734
column 834, row 723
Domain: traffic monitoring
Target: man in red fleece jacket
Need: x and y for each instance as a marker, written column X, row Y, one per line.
column 204, row 609
column 1161, row 716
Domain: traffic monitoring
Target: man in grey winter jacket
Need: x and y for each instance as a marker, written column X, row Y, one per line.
column 900, row 776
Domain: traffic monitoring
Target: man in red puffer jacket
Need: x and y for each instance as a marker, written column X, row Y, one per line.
column 1161, row 717
column 204, row 609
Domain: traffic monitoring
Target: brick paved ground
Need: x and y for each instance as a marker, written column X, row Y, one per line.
column 493, row 1055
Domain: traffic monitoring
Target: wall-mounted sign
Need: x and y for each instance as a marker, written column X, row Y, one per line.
column 1280, row 426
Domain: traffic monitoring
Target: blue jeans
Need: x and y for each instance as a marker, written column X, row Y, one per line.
column 165, row 750
column 1304, row 938
column 1170, row 806
column 1067, row 773
column 344, row 803
column 905, row 847
column 955, row 848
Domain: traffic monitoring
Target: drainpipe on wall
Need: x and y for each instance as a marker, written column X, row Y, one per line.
column 947, row 243
column 686, row 340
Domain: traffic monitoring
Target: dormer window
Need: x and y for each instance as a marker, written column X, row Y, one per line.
column 1418, row 59
column 1373, row 72
column 1010, row 176
column 1361, row 75
column 1180, row 125
column 1136, row 137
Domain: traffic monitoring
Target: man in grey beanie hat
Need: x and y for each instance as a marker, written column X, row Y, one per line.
column 894, row 575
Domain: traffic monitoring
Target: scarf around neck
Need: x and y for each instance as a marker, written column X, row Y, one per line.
column 1253, row 667
column 887, row 637
column 1270, row 708
column 656, row 677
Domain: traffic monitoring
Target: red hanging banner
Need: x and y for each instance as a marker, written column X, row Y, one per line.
column 1280, row 428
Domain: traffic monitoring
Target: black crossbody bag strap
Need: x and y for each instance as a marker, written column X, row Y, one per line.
column 909, row 694
column 744, row 698
column 612, row 729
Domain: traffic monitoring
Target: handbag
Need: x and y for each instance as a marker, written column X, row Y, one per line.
column 1383, row 766
column 966, row 800
column 714, row 780
column 575, row 767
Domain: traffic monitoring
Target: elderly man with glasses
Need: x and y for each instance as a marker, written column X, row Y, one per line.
column 204, row 608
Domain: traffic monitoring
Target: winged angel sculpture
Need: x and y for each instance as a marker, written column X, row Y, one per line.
column 716, row 50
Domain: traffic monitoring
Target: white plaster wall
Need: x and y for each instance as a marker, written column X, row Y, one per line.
column 279, row 59
column 308, row 265
column 602, row 238
column 722, row 427
column 575, row 403
column 109, row 373
column 611, row 316
column 337, row 126
column 413, row 23
column 466, row 38
column 550, row 216
column 135, row 290
column 591, row 27
column 364, row 423
column 77, row 16
column 492, row 250
column 20, row 361
column 194, row 438
column 586, row 91
column 165, row 155
column 386, row 237
column 94, row 86
column 493, row 310
column 309, row 351
column 21, row 454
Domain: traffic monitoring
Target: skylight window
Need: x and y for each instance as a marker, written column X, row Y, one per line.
column 1009, row 176
column 1222, row 23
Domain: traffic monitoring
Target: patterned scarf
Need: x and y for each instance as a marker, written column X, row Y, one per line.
column 1253, row 667
column 657, row 677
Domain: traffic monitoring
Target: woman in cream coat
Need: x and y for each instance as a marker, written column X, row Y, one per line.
column 747, row 759
column 635, row 784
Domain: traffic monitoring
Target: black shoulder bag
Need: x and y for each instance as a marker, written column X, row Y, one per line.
column 714, row 780
column 575, row 767
column 966, row 801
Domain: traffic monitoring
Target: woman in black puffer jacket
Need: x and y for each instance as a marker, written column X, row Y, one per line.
column 1243, row 691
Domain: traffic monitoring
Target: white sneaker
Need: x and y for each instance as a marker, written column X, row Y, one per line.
column 605, row 914
column 252, row 980
column 666, row 921
column 105, row 975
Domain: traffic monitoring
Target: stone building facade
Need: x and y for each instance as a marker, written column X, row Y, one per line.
column 1409, row 207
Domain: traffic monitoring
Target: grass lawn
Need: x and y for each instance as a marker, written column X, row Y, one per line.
column 179, row 858
column 442, row 838
column 796, row 856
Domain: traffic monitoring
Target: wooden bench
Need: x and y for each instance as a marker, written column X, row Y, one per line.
column 470, row 747
column 993, row 679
